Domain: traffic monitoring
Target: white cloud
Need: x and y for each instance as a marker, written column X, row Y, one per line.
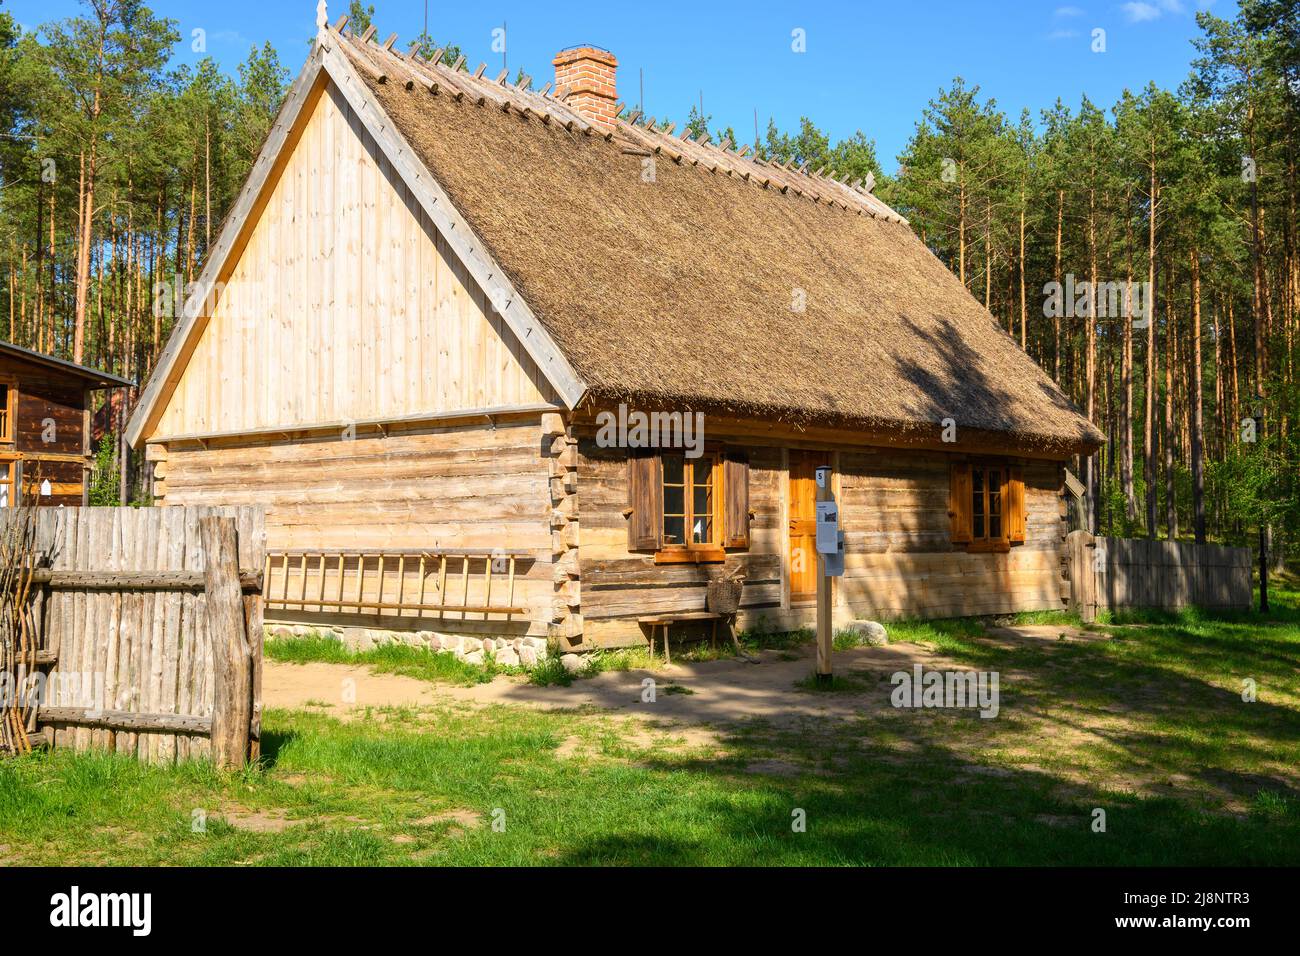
column 233, row 37
column 1062, row 34
column 1141, row 11
column 1068, row 12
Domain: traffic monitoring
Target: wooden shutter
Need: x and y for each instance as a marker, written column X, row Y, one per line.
column 959, row 503
column 645, row 523
column 1014, row 502
column 735, row 514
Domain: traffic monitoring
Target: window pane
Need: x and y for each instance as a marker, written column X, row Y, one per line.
column 702, row 501
column 702, row 530
column 977, row 529
column 674, row 530
column 674, row 500
column 995, row 526
column 977, row 479
column 673, row 469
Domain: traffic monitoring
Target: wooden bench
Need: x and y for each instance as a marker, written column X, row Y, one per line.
column 667, row 620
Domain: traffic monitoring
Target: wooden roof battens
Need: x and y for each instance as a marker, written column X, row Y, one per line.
column 457, row 86
column 650, row 141
column 340, row 23
column 415, row 76
column 388, row 44
column 370, row 31
column 501, row 77
column 369, row 65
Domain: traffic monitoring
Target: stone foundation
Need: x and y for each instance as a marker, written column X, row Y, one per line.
column 509, row 651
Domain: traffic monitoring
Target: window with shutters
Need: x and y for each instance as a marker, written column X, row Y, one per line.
column 8, row 408
column 987, row 505
column 688, row 510
column 692, row 519
column 8, row 482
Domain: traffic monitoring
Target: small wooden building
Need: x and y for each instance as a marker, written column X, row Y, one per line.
column 439, row 295
column 45, row 427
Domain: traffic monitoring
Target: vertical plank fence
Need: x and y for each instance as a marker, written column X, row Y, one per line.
column 148, row 631
column 1146, row 573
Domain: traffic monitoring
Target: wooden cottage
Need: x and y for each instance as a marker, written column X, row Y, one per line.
column 443, row 304
column 45, row 451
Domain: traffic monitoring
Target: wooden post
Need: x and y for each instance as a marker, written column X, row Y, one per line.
column 232, row 692
column 1263, row 568
column 824, row 634
column 1081, row 549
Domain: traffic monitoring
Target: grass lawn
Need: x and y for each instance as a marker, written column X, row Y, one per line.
column 1145, row 722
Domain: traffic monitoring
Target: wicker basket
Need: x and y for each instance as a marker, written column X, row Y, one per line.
column 724, row 596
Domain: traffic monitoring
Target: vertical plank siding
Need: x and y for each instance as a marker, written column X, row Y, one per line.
column 133, row 651
column 346, row 304
column 1144, row 573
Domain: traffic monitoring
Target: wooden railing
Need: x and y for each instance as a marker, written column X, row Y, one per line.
column 441, row 582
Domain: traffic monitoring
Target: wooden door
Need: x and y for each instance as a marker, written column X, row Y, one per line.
column 801, row 558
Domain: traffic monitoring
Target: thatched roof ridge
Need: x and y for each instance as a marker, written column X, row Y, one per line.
column 673, row 271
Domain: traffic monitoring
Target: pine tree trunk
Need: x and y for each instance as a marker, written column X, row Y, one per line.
column 1148, row 409
column 1198, row 422
column 1056, row 322
column 1171, row 503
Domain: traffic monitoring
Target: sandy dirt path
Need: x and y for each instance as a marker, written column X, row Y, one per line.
column 719, row 691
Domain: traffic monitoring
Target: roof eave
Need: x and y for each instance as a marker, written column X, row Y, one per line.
column 97, row 377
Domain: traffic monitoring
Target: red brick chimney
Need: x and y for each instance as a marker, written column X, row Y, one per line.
column 589, row 73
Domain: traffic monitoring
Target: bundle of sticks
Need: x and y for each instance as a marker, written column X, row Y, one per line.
column 18, row 638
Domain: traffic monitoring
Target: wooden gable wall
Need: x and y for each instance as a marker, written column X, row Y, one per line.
column 345, row 304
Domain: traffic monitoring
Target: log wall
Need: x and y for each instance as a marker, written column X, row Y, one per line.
column 50, row 433
column 899, row 560
column 460, row 486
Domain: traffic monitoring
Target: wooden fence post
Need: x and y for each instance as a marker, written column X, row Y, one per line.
column 1083, row 574
column 231, row 655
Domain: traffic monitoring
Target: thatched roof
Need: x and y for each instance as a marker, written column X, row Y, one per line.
column 684, row 286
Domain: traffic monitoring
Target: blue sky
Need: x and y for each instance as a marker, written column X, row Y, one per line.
column 869, row 66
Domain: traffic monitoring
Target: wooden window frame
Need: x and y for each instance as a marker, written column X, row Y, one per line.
column 1011, row 505
column 986, row 541
column 9, row 421
column 9, row 463
column 687, row 552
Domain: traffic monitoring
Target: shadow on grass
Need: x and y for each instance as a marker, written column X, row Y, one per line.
column 1185, row 770
column 273, row 744
column 933, row 807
